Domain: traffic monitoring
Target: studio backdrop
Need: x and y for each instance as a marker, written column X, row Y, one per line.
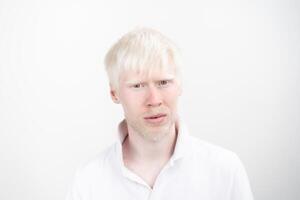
column 240, row 86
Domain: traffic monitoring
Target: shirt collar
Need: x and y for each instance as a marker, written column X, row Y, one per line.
column 182, row 142
column 122, row 131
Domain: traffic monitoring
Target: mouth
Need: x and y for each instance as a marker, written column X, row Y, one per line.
column 156, row 119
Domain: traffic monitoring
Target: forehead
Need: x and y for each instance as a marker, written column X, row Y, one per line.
column 147, row 75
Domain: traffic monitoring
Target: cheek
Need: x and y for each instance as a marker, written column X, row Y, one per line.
column 132, row 99
column 131, row 102
column 172, row 96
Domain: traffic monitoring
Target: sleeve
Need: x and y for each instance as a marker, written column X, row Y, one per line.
column 241, row 189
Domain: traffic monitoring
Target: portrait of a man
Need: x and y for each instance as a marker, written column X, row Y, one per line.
column 149, row 100
column 155, row 157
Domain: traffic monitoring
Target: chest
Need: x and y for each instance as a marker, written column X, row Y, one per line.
column 170, row 183
column 148, row 173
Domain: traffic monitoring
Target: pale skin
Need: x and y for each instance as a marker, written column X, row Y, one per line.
column 149, row 144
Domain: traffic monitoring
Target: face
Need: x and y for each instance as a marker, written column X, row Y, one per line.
column 149, row 102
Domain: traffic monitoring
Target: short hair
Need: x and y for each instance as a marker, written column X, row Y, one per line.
column 143, row 50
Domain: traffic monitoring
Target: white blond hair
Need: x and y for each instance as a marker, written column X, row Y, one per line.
column 143, row 50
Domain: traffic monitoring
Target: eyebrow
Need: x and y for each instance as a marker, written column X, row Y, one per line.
column 135, row 81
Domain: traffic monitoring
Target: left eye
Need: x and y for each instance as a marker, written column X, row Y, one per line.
column 163, row 82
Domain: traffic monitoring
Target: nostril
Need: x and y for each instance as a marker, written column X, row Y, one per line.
column 155, row 104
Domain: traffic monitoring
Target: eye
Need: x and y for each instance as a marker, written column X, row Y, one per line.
column 138, row 85
column 163, row 82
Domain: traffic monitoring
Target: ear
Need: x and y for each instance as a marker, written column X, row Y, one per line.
column 114, row 95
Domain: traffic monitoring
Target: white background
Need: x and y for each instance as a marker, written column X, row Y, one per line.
column 241, row 86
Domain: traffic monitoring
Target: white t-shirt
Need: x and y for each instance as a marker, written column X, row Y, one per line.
column 196, row 170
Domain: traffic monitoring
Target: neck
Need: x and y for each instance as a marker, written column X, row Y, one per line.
column 138, row 149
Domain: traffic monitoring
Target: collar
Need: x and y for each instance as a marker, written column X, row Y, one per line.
column 182, row 145
column 182, row 148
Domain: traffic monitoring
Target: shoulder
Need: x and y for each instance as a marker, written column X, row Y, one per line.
column 213, row 155
column 96, row 166
column 222, row 167
column 92, row 175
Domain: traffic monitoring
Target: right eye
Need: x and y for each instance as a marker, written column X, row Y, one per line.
column 138, row 85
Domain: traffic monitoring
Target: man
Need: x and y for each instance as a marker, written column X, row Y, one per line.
column 155, row 157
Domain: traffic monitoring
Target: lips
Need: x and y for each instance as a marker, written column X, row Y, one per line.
column 156, row 120
column 156, row 116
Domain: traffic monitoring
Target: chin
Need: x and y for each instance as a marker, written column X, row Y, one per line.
column 156, row 134
column 155, row 138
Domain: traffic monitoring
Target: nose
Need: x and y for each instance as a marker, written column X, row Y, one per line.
column 154, row 97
